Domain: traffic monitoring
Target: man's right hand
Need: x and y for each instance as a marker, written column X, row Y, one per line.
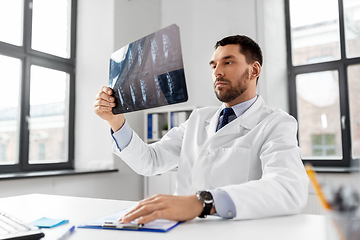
column 103, row 105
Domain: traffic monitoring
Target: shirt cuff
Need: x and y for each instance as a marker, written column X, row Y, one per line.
column 123, row 136
column 224, row 205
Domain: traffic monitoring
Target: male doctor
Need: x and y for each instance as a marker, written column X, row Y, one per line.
column 240, row 160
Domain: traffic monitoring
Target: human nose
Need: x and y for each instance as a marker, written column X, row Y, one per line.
column 218, row 71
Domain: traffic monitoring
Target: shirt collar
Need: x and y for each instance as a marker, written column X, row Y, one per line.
column 240, row 108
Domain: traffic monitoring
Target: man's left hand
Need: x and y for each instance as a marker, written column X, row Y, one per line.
column 176, row 208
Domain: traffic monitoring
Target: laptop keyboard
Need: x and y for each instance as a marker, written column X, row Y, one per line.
column 13, row 228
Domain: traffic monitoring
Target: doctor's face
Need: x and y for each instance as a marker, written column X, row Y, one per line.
column 231, row 74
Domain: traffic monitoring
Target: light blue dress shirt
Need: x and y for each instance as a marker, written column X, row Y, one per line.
column 223, row 203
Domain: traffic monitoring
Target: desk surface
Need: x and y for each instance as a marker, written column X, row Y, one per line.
column 80, row 210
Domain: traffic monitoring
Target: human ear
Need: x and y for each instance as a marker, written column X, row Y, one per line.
column 256, row 69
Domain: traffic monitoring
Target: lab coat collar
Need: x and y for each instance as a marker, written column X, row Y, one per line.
column 251, row 117
column 247, row 120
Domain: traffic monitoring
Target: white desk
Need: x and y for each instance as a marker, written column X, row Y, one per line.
column 79, row 210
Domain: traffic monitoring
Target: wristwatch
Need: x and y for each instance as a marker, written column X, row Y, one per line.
column 207, row 200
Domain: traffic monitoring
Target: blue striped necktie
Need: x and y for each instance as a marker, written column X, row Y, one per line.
column 226, row 112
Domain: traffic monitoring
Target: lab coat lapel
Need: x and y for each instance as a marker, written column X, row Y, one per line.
column 251, row 117
column 212, row 124
column 232, row 127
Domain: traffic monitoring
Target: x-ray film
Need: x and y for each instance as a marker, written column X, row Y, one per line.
column 149, row 72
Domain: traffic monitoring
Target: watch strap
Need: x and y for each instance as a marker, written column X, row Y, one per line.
column 207, row 206
column 206, row 210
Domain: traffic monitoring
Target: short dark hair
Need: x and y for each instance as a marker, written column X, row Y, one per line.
column 248, row 47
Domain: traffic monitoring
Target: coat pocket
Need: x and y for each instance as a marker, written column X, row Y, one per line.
column 231, row 166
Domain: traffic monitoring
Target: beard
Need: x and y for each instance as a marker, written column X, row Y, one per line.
column 234, row 91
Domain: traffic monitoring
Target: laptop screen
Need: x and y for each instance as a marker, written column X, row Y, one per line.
column 149, row 72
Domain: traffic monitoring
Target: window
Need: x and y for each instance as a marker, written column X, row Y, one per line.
column 37, row 80
column 323, row 145
column 324, row 78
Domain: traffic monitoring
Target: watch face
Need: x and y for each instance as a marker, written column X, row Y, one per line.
column 206, row 196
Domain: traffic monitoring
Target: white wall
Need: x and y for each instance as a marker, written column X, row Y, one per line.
column 202, row 24
column 95, row 40
column 271, row 37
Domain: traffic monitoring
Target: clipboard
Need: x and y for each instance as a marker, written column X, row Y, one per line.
column 110, row 222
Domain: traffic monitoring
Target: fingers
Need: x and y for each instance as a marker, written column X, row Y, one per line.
column 102, row 106
column 144, row 214
column 105, row 94
column 146, row 210
column 106, row 90
column 104, row 102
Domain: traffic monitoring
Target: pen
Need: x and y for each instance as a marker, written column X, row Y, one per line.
column 67, row 233
column 312, row 175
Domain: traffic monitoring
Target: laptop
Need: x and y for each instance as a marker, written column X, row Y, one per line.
column 149, row 72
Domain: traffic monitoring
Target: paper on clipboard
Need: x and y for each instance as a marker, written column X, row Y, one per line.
column 160, row 225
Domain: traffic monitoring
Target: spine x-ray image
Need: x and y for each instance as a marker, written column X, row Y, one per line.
column 149, row 72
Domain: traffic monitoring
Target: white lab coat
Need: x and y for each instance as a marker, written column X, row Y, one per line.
column 255, row 159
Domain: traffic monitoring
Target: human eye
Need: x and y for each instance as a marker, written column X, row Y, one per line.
column 228, row 63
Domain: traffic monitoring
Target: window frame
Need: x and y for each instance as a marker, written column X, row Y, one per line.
column 29, row 57
column 341, row 66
